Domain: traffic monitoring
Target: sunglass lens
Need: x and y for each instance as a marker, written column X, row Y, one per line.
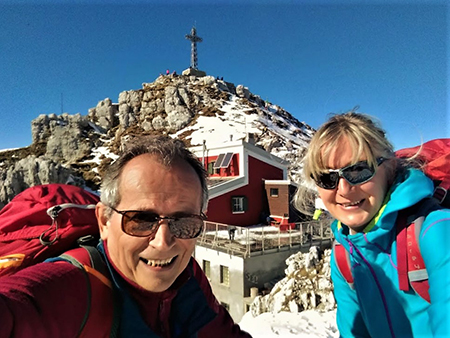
column 328, row 180
column 140, row 224
column 359, row 173
column 186, row 227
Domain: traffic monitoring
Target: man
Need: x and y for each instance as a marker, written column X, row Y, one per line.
column 151, row 211
column 231, row 232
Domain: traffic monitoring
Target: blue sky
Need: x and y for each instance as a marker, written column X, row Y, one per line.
column 312, row 58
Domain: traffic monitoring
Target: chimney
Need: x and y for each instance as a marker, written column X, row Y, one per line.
column 254, row 292
column 251, row 138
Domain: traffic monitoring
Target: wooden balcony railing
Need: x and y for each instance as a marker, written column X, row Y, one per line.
column 257, row 240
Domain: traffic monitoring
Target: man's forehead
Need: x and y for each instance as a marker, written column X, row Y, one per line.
column 151, row 168
column 158, row 160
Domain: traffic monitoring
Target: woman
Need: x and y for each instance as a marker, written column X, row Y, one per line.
column 364, row 186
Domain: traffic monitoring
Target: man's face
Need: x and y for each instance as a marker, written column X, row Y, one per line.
column 152, row 262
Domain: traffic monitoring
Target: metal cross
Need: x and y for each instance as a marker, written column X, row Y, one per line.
column 194, row 38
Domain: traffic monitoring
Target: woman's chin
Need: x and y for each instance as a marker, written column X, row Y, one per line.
column 357, row 225
column 357, row 228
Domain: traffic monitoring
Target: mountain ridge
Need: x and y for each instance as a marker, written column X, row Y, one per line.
column 77, row 148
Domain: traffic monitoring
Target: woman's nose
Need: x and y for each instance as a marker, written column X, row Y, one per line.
column 343, row 186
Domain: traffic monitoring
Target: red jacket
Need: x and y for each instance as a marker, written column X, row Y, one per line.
column 50, row 300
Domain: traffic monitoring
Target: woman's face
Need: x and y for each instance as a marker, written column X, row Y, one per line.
column 356, row 205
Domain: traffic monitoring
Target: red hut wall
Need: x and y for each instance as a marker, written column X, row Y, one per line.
column 220, row 208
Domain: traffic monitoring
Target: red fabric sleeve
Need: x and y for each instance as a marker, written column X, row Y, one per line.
column 44, row 300
column 223, row 325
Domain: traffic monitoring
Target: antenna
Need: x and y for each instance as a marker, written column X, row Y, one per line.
column 245, row 127
column 204, row 151
column 62, row 105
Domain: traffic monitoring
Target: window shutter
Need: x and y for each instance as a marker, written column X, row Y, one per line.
column 245, row 203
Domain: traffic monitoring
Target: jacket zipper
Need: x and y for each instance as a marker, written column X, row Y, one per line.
column 383, row 297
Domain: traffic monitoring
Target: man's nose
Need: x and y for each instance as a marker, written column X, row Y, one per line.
column 163, row 239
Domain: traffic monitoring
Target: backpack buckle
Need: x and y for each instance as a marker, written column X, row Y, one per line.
column 54, row 211
column 440, row 194
column 87, row 240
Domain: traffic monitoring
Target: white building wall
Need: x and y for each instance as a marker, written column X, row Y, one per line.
column 233, row 295
column 244, row 274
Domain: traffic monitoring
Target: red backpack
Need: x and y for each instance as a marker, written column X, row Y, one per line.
column 435, row 155
column 42, row 222
column 53, row 221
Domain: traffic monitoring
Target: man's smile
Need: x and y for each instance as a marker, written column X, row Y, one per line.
column 158, row 262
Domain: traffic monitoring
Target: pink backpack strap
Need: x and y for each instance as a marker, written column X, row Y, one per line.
column 417, row 273
column 342, row 260
column 402, row 260
column 410, row 265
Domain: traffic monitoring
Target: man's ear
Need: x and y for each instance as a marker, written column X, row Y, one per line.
column 102, row 220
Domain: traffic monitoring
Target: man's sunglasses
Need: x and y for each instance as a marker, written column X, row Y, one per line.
column 145, row 223
column 354, row 174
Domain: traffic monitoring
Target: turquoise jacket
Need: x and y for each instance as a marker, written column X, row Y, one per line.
column 376, row 307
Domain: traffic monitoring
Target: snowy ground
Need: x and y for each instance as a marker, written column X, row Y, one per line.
column 285, row 324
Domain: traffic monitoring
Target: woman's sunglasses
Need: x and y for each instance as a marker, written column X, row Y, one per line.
column 145, row 223
column 354, row 174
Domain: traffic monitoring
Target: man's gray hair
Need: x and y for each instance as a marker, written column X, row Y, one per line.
column 167, row 150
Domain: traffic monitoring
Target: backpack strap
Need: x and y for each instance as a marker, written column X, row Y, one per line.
column 417, row 272
column 342, row 260
column 410, row 265
column 80, row 266
column 441, row 194
column 89, row 243
column 100, row 270
column 402, row 250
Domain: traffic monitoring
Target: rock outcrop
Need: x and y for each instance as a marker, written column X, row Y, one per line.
column 28, row 172
column 307, row 286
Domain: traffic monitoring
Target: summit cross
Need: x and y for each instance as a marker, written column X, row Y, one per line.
column 194, row 38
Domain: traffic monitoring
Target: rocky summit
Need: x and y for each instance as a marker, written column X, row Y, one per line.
column 198, row 109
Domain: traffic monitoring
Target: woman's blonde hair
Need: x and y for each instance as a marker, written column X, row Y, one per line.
column 366, row 139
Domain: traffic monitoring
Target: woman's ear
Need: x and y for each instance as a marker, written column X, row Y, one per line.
column 102, row 219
